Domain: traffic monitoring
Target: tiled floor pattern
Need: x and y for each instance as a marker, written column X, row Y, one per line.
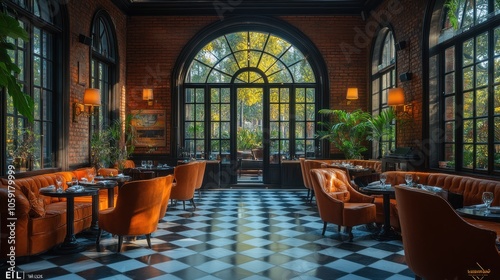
column 235, row 234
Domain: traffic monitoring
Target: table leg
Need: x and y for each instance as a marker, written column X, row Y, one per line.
column 70, row 244
column 387, row 232
column 111, row 197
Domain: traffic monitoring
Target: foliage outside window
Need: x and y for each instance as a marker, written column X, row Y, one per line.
column 465, row 86
column 247, row 70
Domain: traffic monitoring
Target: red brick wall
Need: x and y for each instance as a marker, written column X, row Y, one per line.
column 80, row 19
column 407, row 19
column 154, row 43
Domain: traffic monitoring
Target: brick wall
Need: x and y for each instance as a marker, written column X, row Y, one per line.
column 80, row 19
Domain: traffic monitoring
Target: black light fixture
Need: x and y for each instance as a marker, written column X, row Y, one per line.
column 400, row 45
column 85, row 40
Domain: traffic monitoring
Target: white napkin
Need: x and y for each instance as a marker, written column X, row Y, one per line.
column 50, row 188
column 76, row 188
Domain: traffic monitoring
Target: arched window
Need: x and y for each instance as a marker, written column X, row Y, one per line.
column 40, row 78
column 103, row 66
column 464, row 86
column 383, row 77
column 250, row 93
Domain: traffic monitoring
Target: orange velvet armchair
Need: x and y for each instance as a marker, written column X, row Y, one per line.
column 338, row 202
column 202, row 164
column 166, row 195
column 137, row 210
column 308, row 166
column 439, row 244
column 185, row 179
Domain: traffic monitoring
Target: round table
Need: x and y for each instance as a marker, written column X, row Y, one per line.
column 478, row 213
column 387, row 232
column 70, row 244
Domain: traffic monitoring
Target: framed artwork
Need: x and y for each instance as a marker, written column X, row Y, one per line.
column 150, row 128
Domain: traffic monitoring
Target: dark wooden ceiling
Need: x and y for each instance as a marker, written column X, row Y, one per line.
column 246, row 7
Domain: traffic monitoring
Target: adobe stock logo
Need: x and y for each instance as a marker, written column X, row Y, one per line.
column 14, row 274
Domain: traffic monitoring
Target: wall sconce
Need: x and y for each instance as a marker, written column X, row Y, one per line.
column 91, row 99
column 147, row 94
column 352, row 94
column 396, row 97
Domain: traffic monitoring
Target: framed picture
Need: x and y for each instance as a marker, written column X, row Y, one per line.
column 150, row 128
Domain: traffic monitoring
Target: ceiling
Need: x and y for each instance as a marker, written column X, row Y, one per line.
column 246, row 7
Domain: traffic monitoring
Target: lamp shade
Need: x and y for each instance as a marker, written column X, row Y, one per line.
column 352, row 93
column 147, row 94
column 396, row 96
column 92, row 96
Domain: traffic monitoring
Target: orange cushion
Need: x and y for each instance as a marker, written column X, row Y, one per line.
column 37, row 205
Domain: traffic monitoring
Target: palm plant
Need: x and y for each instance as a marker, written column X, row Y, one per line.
column 346, row 131
column 381, row 125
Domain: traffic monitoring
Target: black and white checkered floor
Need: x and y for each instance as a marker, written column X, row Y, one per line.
column 235, row 234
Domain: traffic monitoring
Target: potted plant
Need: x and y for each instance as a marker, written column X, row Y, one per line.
column 381, row 125
column 23, row 149
column 346, row 131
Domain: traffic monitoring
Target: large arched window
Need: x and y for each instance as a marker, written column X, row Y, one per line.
column 383, row 77
column 464, row 86
column 40, row 78
column 250, row 93
column 103, row 65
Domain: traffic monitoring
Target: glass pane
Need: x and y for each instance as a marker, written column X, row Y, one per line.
column 482, row 131
column 299, row 130
column 497, row 41
column 310, row 130
column 497, row 129
column 285, row 112
column 225, row 130
column 310, row 95
column 468, row 104
column 482, row 74
column 300, row 95
column 215, row 131
column 468, row 157
column 497, row 158
column 449, row 132
column 496, row 64
column 468, row 131
column 468, row 52
column 200, row 112
column 189, row 115
column 189, row 95
column 481, row 102
column 449, row 152
column 189, row 133
column 310, row 112
column 482, row 47
column 215, row 112
column 200, row 95
column 449, row 108
column 449, row 83
column 275, row 130
column 482, row 157
column 300, row 112
column 225, row 95
column 481, row 10
column 225, row 112
column 468, row 78
column 449, row 56
column 274, row 112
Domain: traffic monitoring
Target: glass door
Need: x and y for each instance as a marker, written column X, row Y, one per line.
column 249, row 135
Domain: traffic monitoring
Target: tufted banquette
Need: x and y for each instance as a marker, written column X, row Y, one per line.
column 40, row 220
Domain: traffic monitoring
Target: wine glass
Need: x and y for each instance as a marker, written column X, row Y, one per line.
column 74, row 181
column 408, row 179
column 150, row 163
column 143, row 163
column 487, row 199
column 59, row 182
column 383, row 178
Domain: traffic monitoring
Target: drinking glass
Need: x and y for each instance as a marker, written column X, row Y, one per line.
column 383, row 178
column 487, row 199
column 59, row 182
column 408, row 179
column 90, row 176
column 150, row 163
column 143, row 163
column 74, row 181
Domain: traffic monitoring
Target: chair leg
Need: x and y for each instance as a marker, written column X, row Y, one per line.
column 312, row 195
column 324, row 228
column 148, row 238
column 120, row 242
column 199, row 193
column 339, row 227
column 192, row 202
column 184, row 204
column 98, row 240
column 418, row 277
column 349, row 230
column 308, row 193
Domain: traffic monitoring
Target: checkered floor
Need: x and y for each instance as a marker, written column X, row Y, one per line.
column 235, row 234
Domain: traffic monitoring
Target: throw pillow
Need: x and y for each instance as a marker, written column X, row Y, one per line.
column 37, row 205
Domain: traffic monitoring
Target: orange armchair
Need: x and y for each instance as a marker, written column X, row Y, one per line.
column 338, row 202
column 308, row 166
column 185, row 179
column 439, row 244
column 137, row 210
column 166, row 195
column 202, row 164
